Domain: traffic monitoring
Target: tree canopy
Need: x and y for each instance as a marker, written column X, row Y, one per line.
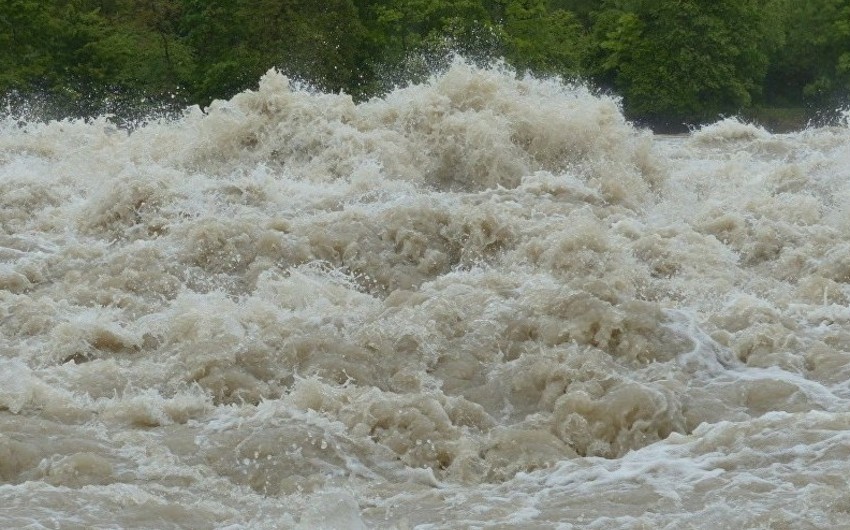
column 689, row 58
column 673, row 61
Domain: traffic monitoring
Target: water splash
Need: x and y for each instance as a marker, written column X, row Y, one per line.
column 481, row 299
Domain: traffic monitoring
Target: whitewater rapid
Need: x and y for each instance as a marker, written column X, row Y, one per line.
column 481, row 301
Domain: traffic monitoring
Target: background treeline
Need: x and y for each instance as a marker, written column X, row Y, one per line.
column 673, row 61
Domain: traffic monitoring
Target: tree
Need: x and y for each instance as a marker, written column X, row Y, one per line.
column 542, row 40
column 814, row 65
column 24, row 57
column 685, row 59
column 56, row 54
column 408, row 39
column 236, row 41
column 671, row 60
column 223, row 61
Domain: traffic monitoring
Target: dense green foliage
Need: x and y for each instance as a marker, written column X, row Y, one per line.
column 671, row 60
column 689, row 56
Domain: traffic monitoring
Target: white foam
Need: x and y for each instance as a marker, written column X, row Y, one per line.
column 481, row 300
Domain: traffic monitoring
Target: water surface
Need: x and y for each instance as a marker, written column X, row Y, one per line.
column 480, row 301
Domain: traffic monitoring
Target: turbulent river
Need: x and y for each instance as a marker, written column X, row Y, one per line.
column 477, row 302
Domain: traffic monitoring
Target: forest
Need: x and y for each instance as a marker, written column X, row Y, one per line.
column 673, row 62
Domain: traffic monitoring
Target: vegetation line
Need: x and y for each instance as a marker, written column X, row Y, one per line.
column 673, row 61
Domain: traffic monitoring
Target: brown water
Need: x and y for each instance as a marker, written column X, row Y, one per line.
column 479, row 302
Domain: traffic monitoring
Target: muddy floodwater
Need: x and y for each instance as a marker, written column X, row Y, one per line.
column 481, row 301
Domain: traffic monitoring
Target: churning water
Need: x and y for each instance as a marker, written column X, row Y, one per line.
column 480, row 301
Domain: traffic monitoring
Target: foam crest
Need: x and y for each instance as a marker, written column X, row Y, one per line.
column 466, row 129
